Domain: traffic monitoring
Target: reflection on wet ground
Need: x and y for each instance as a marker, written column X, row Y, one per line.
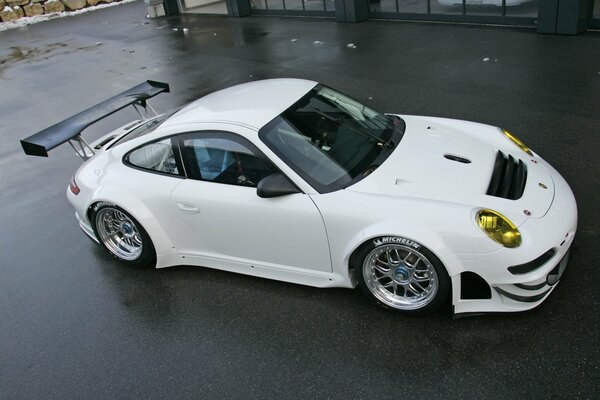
column 18, row 54
column 30, row 54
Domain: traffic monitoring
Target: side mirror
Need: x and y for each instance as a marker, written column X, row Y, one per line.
column 275, row 185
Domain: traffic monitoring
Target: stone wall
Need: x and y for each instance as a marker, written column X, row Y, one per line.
column 11, row 10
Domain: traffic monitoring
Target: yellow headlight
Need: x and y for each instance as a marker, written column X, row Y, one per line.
column 517, row 141
column 499, row 228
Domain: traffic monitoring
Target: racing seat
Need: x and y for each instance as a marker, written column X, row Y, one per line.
column 212, row 162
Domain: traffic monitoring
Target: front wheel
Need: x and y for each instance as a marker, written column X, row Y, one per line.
column 403, row 275
column 122, row 236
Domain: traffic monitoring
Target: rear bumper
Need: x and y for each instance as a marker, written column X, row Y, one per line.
column 79, row 203
column 86, row 228
column 510, row 289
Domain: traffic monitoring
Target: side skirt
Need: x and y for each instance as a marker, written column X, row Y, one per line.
column 289, row 274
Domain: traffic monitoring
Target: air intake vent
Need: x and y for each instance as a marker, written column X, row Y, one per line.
column 457, row 158
column 532, row 265
column 508, row 178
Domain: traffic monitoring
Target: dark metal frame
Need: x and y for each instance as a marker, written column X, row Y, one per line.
column 485, row 19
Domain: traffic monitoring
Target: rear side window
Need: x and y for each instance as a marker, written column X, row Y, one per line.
column 156, row 156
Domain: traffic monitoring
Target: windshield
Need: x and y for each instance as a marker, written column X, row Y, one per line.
column 330, row 140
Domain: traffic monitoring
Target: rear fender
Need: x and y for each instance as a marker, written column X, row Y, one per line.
column 137, row 209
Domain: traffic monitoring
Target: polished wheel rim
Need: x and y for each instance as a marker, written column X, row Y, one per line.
column 400, row 277
column 119, row 234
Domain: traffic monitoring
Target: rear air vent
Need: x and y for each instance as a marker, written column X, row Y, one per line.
column 104, row 142
column 508, row 178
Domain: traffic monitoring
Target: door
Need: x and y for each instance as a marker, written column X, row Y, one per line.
column 220, row 215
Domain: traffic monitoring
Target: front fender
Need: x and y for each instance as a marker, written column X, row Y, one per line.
column 446, row 229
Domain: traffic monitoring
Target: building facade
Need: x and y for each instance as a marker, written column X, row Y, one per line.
column 547, row 16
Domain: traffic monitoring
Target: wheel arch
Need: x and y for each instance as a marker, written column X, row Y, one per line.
column 138, row 210
column 444, row 288
column 433, row 241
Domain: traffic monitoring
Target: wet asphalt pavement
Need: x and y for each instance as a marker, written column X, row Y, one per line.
column 75, row 324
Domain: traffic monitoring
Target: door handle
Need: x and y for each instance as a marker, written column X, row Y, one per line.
column 187, row 208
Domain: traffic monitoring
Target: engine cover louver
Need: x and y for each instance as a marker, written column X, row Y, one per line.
column 508, row 178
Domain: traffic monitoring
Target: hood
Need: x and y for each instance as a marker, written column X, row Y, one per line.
column 453, row 161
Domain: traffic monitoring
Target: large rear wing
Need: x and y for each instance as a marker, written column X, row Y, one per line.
column 69, row 130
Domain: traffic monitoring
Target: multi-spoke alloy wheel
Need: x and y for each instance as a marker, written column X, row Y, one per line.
column 400, row 277
column 122, row 236
column 119, row 234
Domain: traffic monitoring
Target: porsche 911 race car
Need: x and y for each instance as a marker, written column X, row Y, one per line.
column 291, row 180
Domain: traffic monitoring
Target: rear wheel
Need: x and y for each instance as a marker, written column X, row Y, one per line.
column 400, row 274
column 122, row 236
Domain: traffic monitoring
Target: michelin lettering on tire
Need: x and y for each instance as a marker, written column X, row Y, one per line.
column 102, row 204
column 396, row 239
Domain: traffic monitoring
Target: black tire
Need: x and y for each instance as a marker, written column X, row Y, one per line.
column 129, row 243
column 405, row 280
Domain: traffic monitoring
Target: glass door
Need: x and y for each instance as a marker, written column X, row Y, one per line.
column 293, row 7
column 510, row 12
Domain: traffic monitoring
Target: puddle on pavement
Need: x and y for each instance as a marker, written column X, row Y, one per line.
column 21, row 53
column 26, row 54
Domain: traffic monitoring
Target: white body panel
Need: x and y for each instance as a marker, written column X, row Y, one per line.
column 222, row 221
column 308, row 237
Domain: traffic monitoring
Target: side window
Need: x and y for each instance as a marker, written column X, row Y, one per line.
column 155, row 156
column 223, row 158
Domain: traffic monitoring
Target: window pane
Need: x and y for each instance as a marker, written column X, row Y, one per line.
column 597, row 9
column 222, row 160
column 295, row 5
column 275, row 4
column 484, row 7
column 157, row 156
column 257, row 4
column 330, row 5
column 328, row 138
column 522, row 8
column 313, row 5
column 446, row 7
column 302, row 153
column 412, row 6
column 382, row 5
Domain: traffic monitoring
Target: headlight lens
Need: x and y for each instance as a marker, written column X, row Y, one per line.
column 499, row 228
column 517, row 141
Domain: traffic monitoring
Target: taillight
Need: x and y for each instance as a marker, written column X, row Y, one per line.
column 73, row 187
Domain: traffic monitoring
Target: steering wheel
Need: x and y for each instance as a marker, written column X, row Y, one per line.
column 323, row 134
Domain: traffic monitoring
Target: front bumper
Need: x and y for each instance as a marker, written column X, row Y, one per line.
column 541, row 261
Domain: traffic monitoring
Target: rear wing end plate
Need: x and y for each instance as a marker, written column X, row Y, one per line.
column 69, row 130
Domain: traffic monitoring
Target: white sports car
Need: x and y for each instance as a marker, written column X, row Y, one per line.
column 291, row 180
